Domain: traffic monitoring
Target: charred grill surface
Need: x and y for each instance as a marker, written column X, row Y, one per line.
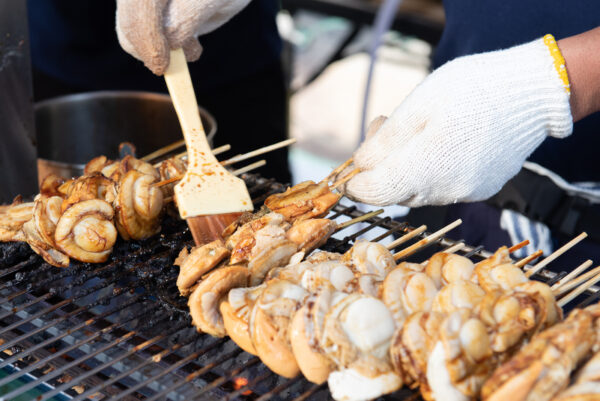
column 120, row 329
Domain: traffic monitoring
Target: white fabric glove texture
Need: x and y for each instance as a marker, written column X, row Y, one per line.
column 148, row 29
column 465, row 130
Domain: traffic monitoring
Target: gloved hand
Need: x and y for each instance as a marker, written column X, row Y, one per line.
column 148, row 29
column 466, row 130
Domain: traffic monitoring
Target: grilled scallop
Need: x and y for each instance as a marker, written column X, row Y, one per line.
column 356, row 337
column 45, row 216
column 271, row 249
column 462, row 358
column 512, row 317
column 503, row 277
column 242, row 241
column 412, row 344
column 542, row 368
column 370, row 258
column 210, row 292
column 406, row 291
column 198, row 262
column 118, row 169
column 235, row 310
column 501, row 256
column 85, row 231
column 445, row 268
column 310, row 234
column 138, row 206
column 457, row 295
column 270, row 325
column 554, row 312
column 587, row 384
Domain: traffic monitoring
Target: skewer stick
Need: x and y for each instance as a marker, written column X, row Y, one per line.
column 431, row 238
column 453, row 249
column 406, row 237
column 574, row 273
column 167, row 181
column 518, row 246
column 555, row 254
column 345, row 179
column 215, row 151
column 257, row 152
column 249, row 167
column 163, row 151
column 529, row 258
column 578, row 291
column 576, row 281
column 338, row 170
column 240, row 171
column 358, row 219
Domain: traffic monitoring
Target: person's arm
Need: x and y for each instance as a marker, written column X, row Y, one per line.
column 468, row 127
column 582, row 57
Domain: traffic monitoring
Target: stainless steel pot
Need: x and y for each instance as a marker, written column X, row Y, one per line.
column 73, row 129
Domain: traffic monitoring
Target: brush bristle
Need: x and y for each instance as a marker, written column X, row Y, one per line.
column 206, row 229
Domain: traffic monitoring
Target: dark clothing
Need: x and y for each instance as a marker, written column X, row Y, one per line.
column 75, row 42
column 238, row 78
column 475, row 26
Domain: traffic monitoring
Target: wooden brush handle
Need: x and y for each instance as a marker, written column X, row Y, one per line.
column 181, row 89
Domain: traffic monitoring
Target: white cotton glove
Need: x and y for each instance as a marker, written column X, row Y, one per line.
column 149, row 29
column 465, row 131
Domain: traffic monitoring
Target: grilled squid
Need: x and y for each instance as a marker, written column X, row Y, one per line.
column 87, row 187
column 39, row 231
column 303, row 201
column 12, row 218
column 86, row 232
column 138, row 206
column 117, row 170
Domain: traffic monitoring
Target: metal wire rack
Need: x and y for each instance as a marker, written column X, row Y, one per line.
column 120, row 330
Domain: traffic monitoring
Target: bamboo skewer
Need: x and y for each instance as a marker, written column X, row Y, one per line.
column 345, row 179
column 518, row 246
column 406, row 237
column 555, row 254
column 215, row 151
column 249, row 167
column 431, row 238
column 576, row 281
column 529, row 258
column 358, row 219
column 163, row 151
column 578, row 291
column 453, row 249
column 576, row 272
column 338, row 169
column 257, row 152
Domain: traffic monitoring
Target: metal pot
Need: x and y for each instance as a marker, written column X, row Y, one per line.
column 75, row 128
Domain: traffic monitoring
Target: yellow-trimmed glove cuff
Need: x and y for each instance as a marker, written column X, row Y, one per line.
column 559, row 61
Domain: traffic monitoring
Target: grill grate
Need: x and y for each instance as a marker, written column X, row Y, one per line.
column 120, row 330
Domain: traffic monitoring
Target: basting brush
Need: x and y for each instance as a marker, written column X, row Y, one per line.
column 208, row 197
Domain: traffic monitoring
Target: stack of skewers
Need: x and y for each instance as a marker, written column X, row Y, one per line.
column 82, row 217
column 359, row 321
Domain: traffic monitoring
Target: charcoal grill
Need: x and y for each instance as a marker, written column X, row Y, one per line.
column 119, row 330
